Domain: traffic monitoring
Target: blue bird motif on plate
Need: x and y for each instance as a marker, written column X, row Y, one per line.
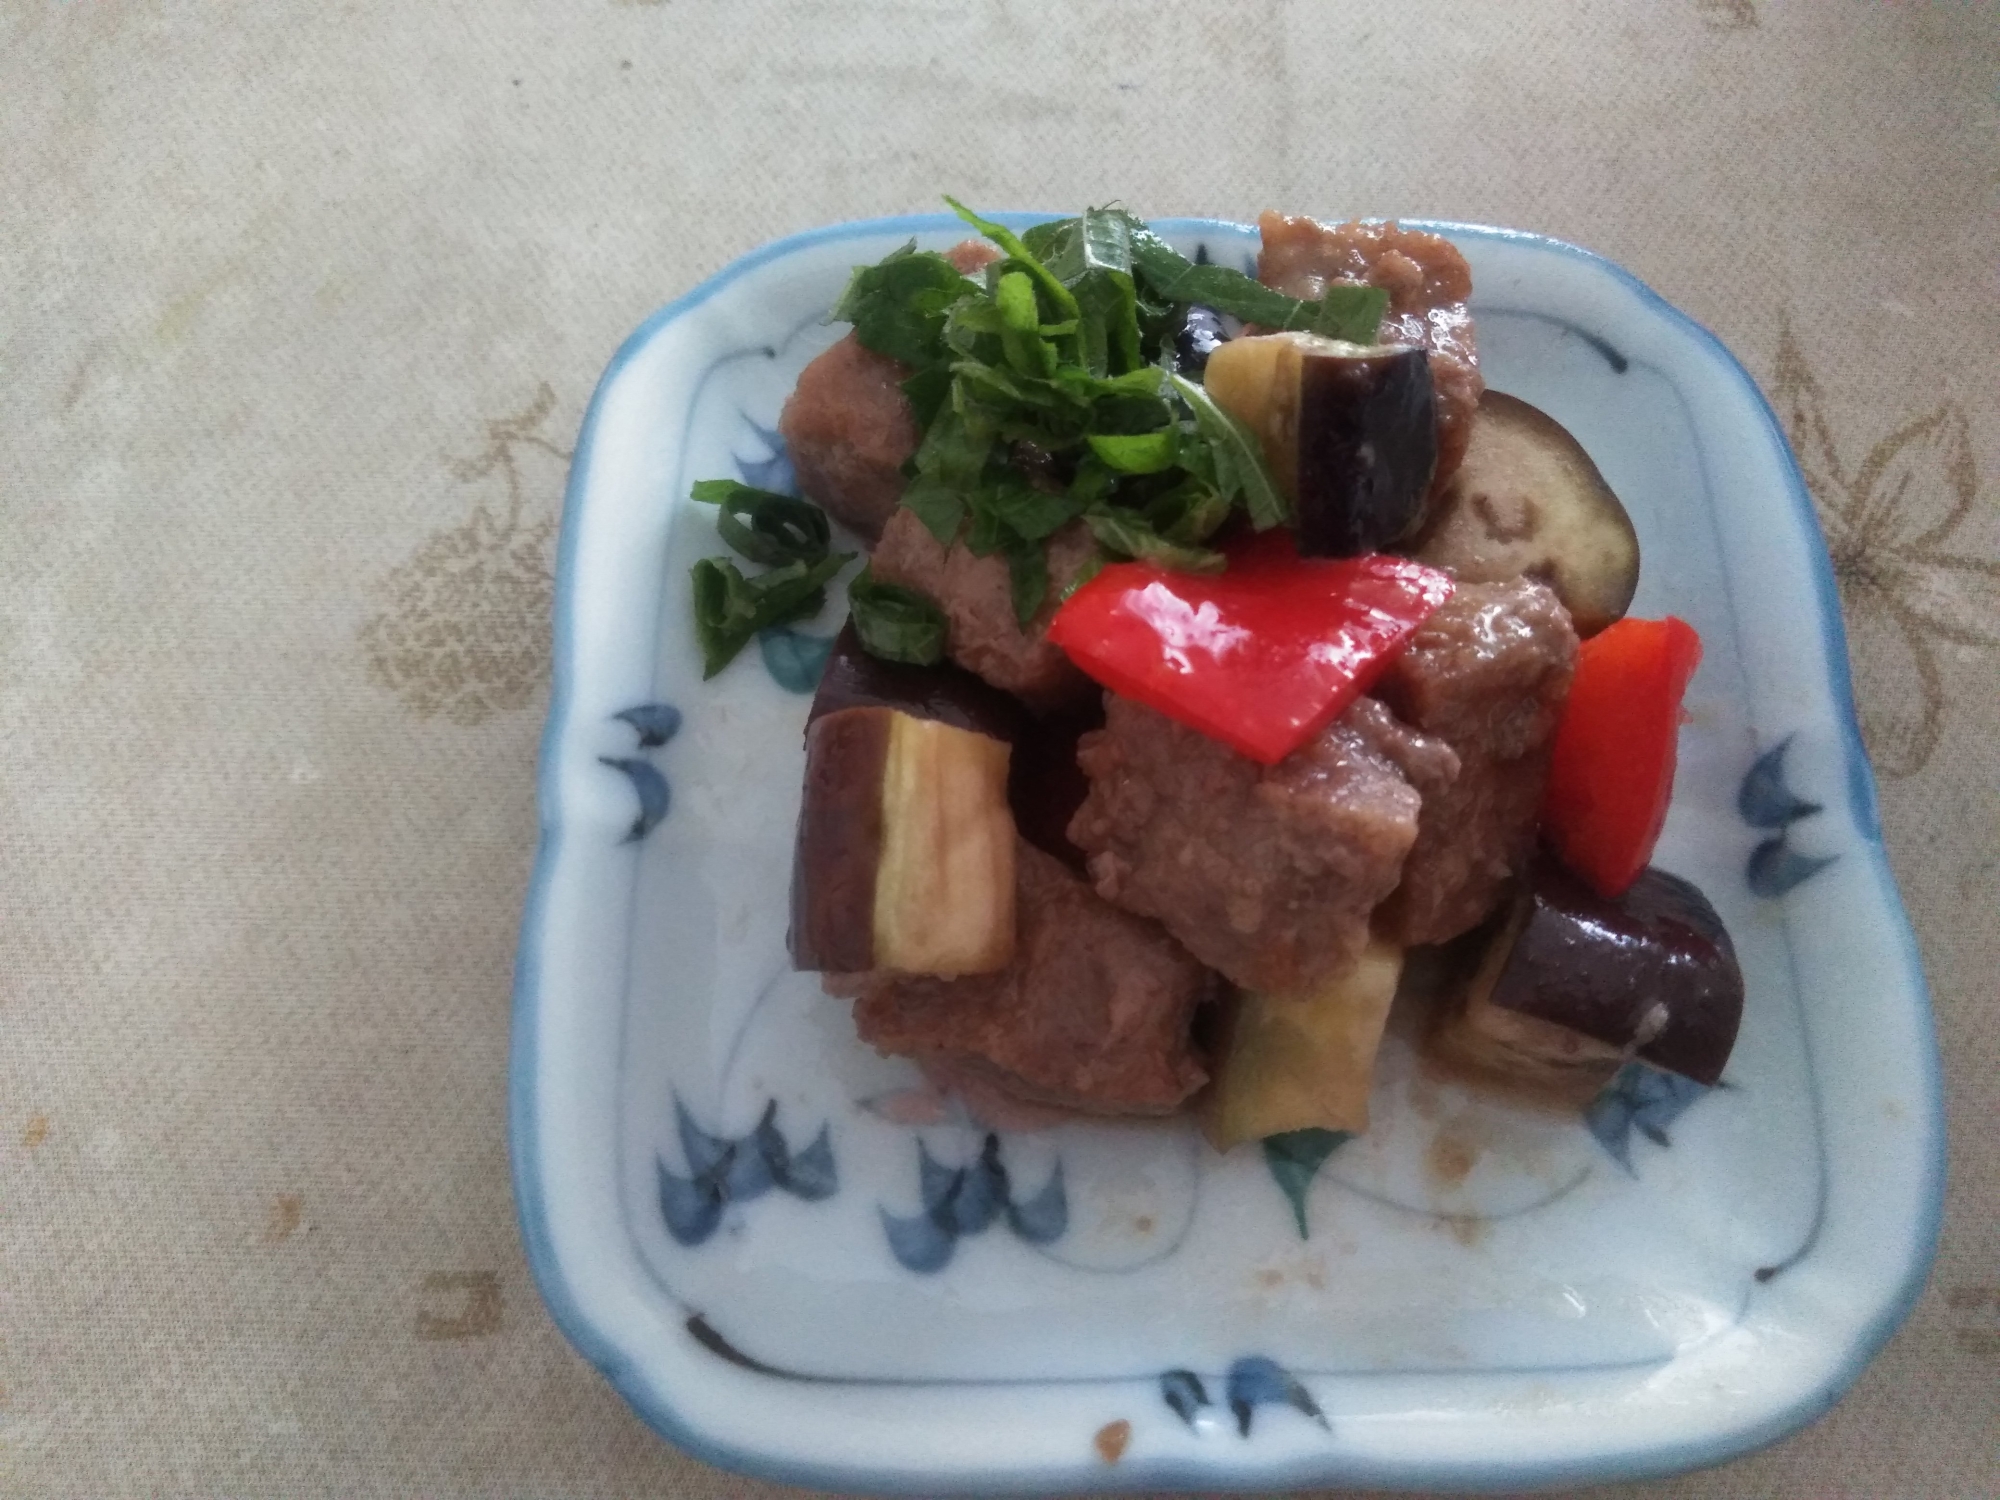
column 723, row 1170
column 1642, row 1097
column 1251, row 1382
column 1766, row 800
column 968, row 1200
column 655, row 724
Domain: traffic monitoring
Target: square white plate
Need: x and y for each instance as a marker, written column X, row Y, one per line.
column 792, row 1261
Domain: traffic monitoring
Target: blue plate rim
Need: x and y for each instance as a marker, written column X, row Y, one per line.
column 602, row 1351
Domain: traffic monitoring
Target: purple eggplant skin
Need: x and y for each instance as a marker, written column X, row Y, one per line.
column 1201, row 333
column 1045, row 785
column 951, row 695
column 1367, row 448
column 1653, row 971
column 839, row 843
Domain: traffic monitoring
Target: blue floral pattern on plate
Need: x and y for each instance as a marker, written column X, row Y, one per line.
column 722, row 1171
column 959, row 1202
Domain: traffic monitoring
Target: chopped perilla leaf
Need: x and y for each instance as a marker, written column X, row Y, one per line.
column 1028, row 576
column 1018, row 254
column 895, row 623
column 1351, row 312
column 1345, row 311
column 729, row 609
column 1129, row 535
column 897, row 305
column 764, row 526
column 1138, row 453
column 1093, row 565
column 1029, row 513
column 1237, row 458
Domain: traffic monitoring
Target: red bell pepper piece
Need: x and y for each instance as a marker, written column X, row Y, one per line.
column 1611, row 774
column 1262, row 656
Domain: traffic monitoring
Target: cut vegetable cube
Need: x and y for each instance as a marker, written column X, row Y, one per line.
column 1297, row 1062
column 905, row 858
column 1349, row 431
column 1572, row 985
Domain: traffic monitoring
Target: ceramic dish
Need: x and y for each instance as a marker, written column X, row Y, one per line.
column 794, row 1260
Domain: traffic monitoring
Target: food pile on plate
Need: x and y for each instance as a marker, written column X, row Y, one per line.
column 1221, row 641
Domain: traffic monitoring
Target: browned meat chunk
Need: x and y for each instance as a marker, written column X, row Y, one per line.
column 1268, row 874
column 849, row 428
column 977, row 597
column 1093, row 1014
column 972, row 255
column 1487, row 674
column 1428, row 283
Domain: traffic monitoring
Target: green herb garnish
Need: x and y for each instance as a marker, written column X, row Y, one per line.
column 1064, row 345
column 764, row 526
column 895, row 623
column 1350, row 312
column 789, row 534
column 897, row 305
column 729, row 609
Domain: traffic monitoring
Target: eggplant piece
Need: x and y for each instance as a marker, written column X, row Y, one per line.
column 1528, row 500
column 1571, row 985
column 1349, row 430
column 905, row 854
column 1202, row 332
column 1294, row 1062
column 853, row 678
column 1045, row 785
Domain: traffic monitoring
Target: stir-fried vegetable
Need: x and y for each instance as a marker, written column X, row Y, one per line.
column 1612, row 774
column 765, row 527
column 1261, row 657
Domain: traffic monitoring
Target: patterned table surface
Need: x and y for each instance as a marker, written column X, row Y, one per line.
column 299, row 310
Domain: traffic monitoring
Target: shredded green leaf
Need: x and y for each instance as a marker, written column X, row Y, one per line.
column 1028, row 577
column 1138, row 453
column 729, row 609
column 898, row 305
column 1349, row 311
column 1236, row 457
column 764, row 526
column 1129, row 535
column 894, row 623
column 1295, row 1158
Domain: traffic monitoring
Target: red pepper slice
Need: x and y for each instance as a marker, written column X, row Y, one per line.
column 1612, row 771
column 1262, row 656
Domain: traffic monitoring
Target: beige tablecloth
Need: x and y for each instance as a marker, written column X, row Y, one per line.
column 300, row 305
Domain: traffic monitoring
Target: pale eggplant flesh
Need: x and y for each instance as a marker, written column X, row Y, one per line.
column 1045, row 785
column 904, row 860
column 904, row 853
column 1527, row 500
column 1303, row 1061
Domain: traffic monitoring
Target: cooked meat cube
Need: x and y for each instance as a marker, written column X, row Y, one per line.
column 1093, row 1014
column 849, row 429
column 1487, row 674
column 1427, row 281
column 976, row 594
column 972, row 255
column 1268, row 874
